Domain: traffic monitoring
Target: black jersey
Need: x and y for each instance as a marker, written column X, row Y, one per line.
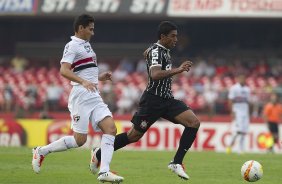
column 158, row 55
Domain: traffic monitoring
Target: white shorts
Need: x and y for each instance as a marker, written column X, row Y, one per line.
column 85, row 107
column 241, row 123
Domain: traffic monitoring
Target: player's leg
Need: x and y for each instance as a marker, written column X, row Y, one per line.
column 107, row 148
column 123, row 139
column 273, row 128
column 101, row 119
column 243, row 130
column 191, row 123
column 107, row 142
column 78, row 138
column 80, row 110
column 276, row 134
column 232, row 142
column 64, row 143
column 238, row 126
column 148, row 113
column 179, row 113
column 242, row 142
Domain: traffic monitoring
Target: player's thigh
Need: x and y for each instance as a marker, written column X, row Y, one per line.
column 143, row 121
column 178, row 112
column 273, row 127
column 150, row 109
column 188, row 119
column 80, row 111
column 101, row 117
column 241, row 124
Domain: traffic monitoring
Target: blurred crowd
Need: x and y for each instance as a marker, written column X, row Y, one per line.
column 27, row 87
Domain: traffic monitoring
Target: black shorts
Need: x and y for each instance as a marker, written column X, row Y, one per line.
column 152, row 107
column 273, row 127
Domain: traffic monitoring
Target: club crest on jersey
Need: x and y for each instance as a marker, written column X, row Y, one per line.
column 87, row 48
column 168, row 67
column 76, row 118
column 144, row 124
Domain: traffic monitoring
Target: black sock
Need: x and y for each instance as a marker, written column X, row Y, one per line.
column 121, row 140
column 186, row 140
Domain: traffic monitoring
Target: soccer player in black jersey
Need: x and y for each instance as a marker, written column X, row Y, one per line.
column 157, row 101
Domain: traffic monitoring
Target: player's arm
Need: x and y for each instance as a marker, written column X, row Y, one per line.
column 230, row 104
column 66, row 72
column 157, row 73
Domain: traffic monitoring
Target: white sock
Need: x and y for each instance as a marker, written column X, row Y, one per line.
column 62, row 144
column 107, row 150
column 242, row 143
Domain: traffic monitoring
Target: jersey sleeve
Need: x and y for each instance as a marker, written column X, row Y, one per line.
column 154, row 55
column 69, row 54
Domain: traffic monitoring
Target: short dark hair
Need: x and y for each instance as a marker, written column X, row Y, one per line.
column 165, row 27
column 83, row 20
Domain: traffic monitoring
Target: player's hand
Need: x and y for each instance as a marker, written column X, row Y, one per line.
column 105, row 76
column 185, row 66
column 89, row 86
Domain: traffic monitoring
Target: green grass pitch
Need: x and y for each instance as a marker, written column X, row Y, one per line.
column 142, row 167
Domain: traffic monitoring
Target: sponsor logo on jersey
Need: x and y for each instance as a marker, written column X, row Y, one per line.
column 155, row 56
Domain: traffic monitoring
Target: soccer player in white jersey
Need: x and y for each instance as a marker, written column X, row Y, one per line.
column 79, row 65
column 239, row 96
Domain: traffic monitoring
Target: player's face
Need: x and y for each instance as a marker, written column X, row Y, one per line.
column 88, row 31
column 170, row 39
column 242, row 79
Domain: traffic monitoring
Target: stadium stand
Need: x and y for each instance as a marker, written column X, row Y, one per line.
column 204, row 88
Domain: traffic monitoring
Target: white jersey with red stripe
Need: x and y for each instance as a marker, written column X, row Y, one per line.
column 240, row 97
column 82, row 58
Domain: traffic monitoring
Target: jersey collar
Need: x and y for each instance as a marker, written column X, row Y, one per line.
column 78, row 39
column 162, row 46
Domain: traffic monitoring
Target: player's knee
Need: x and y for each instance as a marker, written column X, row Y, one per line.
column 195, row 124
column 134, row 138
column 81, row 141
column 111, row 130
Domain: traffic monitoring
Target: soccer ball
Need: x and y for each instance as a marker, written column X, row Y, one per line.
column 251, row 171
